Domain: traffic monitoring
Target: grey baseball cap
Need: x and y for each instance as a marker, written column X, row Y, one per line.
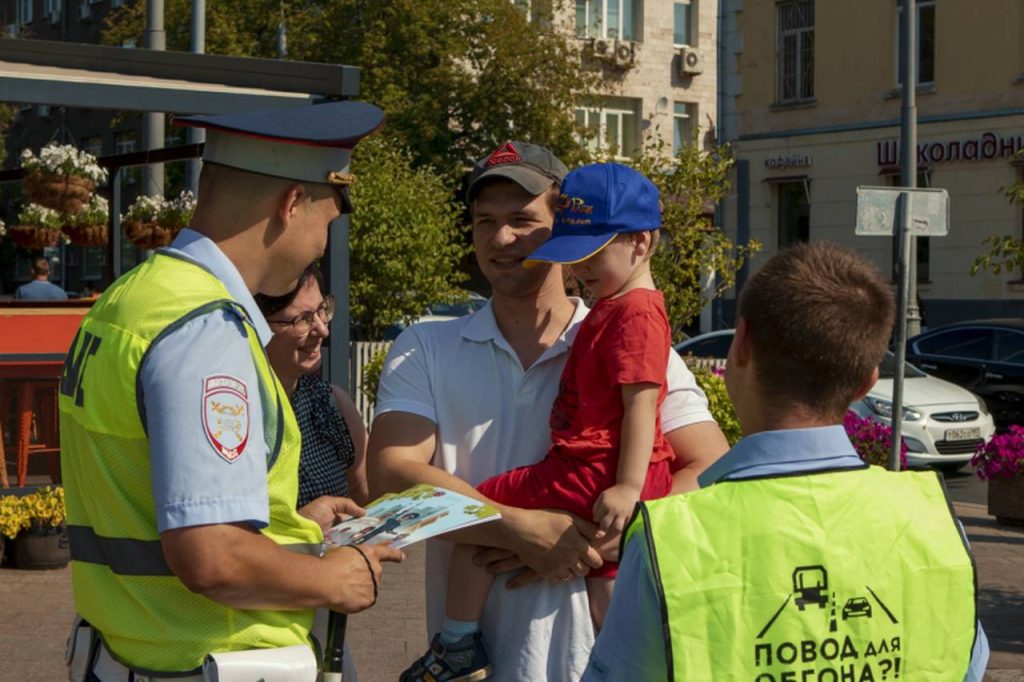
column 532, row 167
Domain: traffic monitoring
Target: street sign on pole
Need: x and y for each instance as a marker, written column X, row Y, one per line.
column 878, row 214
column 908, row 213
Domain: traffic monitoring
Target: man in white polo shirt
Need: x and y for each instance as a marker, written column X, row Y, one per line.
column 463, row 400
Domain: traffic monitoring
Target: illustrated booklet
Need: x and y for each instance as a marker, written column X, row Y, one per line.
column 401, row 519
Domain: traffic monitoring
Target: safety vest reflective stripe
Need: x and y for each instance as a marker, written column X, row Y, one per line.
column 125, row 556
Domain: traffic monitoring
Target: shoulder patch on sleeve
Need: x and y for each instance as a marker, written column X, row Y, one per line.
column 226, row 415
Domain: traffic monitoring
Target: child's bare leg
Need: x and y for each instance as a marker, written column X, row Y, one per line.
column 468, row 586
column 599, row 592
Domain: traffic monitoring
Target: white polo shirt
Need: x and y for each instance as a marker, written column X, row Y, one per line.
column 492, row 416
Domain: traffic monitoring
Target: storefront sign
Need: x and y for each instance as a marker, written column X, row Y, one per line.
column 984, row 148
column 784, row 161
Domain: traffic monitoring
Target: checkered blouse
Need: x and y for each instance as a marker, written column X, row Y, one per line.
column 327, row 450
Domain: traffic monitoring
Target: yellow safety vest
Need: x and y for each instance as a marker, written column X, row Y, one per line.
column 827, row 577
column 122, row 584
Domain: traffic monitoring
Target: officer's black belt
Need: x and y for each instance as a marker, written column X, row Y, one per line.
column 126, row 556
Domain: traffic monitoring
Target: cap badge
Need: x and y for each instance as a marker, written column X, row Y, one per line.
column 340, row 178
column 506, row 153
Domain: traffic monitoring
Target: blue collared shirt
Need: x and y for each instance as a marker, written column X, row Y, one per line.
column 631, row 644
column 193, row 484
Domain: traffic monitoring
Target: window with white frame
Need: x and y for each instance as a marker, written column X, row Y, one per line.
column 124, row 142
column 615, row 19
column 24, row 11
column 682, row 22
column 683, row 116
column 925, row 42
column 612, row 125
column 795, row 21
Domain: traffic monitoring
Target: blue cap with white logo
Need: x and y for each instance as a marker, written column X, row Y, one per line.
column 597, row 203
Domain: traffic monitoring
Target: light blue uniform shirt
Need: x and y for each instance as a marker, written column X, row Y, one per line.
column 40, row 290
column 192, row 483
column 631, row 644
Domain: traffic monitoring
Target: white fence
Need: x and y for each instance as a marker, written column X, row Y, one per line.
column 362, row 352
column 360, row 355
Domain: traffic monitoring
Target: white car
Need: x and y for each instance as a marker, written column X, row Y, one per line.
column 943, row 424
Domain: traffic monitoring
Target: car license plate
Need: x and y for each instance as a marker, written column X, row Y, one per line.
column 963, row 434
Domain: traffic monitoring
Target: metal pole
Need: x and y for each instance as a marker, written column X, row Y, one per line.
column 908, row 133
column 906, row 269
column 903, row 273
column 196, row 135
column 153, row 122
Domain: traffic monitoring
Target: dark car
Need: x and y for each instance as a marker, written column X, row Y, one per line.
column 984, row 356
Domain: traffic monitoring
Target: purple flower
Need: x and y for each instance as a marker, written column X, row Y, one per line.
column 872, row 440
column 1001, row 457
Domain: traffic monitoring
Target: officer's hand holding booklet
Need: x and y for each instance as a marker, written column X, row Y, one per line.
column 401, row 519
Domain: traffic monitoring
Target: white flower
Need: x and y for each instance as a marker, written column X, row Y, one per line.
column 3, row 228
column 64, row 160
column 34, row 214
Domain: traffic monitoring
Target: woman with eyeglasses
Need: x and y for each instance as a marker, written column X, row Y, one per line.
column 333, row 459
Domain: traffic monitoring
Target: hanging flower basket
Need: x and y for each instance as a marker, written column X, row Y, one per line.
column 88, row 227
column 38, row 227
column 149, row 234
column 153, row 222
column 62, row 193
column 34, row 236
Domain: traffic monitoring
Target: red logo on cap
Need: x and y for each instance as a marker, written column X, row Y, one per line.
column 506, row 153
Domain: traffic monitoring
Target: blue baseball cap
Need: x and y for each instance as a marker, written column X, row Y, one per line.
column 597, row 203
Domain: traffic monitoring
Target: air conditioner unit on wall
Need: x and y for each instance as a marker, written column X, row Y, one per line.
column 54, row 17
column 85, row 11
column 601, row 46
column 691, row 61
column 11, row 30
column 625, row 53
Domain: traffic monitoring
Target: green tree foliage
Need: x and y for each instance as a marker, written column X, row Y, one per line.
column 406, row 238
column 1005, row 252
column 456, row 77
column 719, row 403
column 691, row 247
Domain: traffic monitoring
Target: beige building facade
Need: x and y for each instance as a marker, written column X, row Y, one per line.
column 811, row 106
column 658, row 61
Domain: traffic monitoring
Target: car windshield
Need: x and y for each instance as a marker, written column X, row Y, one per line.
column 887, row 369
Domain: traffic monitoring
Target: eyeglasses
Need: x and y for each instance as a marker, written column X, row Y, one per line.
column 303, row 322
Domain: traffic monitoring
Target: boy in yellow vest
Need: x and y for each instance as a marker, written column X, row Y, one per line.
column 797, row 561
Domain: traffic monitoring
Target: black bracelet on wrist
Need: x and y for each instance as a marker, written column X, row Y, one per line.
column 369, row 568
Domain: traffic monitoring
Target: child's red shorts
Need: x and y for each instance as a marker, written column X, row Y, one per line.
column 573, row 485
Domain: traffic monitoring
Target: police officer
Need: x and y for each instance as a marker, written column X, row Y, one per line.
column 180, row 448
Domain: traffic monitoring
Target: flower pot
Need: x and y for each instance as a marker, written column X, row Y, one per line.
column 86, row 235
column 34, row 236
column 149, row 235
column 63, row 193
column 42, row 547
column 1006, row 500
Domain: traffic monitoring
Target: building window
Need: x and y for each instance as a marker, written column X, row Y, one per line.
column 93, row 145
column 612, row 125
column 683, row 116
column 615, row 19
column 24, row 10
column 925, row 42
column 794, row 213
column 124, row 143
column 924, row 244
column 795, row 20
column 52, row 7
column 682, row 33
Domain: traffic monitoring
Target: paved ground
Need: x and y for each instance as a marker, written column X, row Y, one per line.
column 35, row 609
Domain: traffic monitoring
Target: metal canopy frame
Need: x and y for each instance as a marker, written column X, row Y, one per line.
column 128, row 79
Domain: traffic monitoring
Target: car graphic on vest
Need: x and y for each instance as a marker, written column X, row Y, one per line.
column 857, row 607
column 810, row 584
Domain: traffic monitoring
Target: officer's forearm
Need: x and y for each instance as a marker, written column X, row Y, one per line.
column 237, row 566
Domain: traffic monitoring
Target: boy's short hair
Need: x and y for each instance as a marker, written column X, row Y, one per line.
column 820, row 317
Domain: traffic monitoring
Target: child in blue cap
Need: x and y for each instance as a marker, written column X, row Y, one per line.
column 607, row 447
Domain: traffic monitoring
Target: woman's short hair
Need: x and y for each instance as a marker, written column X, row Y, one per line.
column 271, row 305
